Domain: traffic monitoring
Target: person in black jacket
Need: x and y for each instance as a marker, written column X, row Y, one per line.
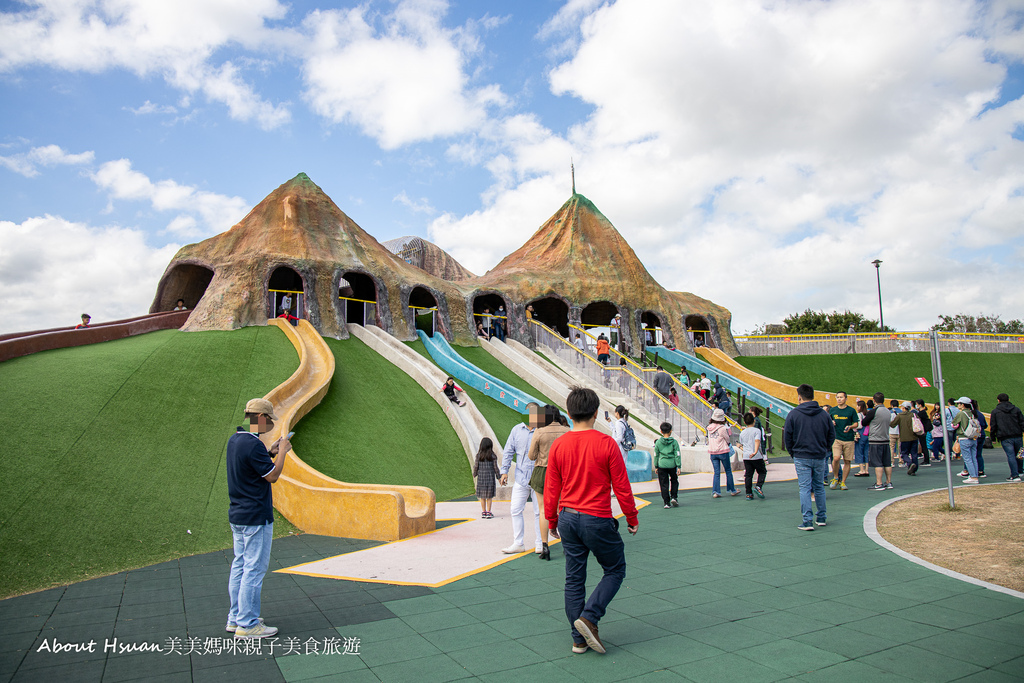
column 1007, row 426
column 808, row 435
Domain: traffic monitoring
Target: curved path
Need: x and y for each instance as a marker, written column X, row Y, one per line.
column 315, row 502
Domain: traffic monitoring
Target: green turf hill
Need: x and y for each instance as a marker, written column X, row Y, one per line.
column 116, row 450
column 981, row 376
column 377, row 425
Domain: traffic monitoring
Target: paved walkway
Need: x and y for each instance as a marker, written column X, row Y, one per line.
column 717, row 589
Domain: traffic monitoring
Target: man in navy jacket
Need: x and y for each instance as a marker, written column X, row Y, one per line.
column 808, row 435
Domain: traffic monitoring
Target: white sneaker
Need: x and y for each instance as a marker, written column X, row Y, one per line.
column 969, row 480
column 538, row 550
column 260, row 630
column 513, row 550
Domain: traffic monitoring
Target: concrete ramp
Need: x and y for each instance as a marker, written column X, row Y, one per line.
column 467, row 420
column 315, row 502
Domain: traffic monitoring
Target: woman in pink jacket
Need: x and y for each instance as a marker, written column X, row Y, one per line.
column 719, row 434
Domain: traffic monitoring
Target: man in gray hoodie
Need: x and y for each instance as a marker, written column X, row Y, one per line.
column 808, row 435
column 878, row 420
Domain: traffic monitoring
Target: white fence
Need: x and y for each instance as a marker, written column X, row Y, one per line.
column 885, row 342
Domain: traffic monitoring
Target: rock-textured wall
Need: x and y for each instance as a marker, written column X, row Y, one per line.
column 429, row 257
column 577, row 256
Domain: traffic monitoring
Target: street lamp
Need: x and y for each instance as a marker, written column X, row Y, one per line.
column 878, row 278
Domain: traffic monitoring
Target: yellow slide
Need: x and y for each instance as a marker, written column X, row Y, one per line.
column 313, row 501
column 785, row 392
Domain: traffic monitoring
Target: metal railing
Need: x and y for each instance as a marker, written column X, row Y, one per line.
column 690, row 402
column 875, row 342
column 626, row 380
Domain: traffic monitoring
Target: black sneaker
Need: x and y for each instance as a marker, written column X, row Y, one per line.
column 806, row 526
column 912, row 469
column 876, row 487
column 888, row 484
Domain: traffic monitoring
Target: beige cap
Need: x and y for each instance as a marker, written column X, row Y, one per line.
column 261, row 406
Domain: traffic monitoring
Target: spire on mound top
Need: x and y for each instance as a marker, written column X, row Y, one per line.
column 572, row 172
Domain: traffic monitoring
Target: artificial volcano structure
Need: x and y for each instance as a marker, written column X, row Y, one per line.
column 297, row 254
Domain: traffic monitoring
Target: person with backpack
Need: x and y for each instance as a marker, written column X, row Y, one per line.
column 903, row 422
column 1008, row 428
column 719, row 434
column 967, row 430
column 753, row 457
column 622, row 432
column 668, row 464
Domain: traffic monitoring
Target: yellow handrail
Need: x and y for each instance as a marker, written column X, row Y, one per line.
column 484, row 315
column 642, row 369
column 363, row 301
column 873, row 335
column 284, row 291
column 619, row 368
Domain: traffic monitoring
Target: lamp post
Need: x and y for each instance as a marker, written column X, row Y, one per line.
column 878, row 278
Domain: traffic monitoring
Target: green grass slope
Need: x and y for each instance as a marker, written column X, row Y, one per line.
column 981, row 376
column 116, row 450
column 376, row 425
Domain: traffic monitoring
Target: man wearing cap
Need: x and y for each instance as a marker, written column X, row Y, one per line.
column 615, row 325
column 968, row 446
column 251, row 471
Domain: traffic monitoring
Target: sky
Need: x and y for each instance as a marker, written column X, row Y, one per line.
column 758, row 154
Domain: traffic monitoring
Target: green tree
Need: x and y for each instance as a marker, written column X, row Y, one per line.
column 988, row 324
column 819, row 322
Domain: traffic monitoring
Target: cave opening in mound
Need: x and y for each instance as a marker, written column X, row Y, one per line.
column 652, row 328
column 553, row 312
column 597, row 317
column 489, row 303
column 699, row 331
column 359, row 292
column 287, row 293
column 185, row 281
column 424, row 309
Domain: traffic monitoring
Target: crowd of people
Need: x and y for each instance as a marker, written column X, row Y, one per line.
column 492, row 325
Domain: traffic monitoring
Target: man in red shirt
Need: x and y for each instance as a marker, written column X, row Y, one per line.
column 583, row 466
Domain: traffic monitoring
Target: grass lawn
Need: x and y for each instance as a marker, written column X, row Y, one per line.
column 501, row 418
column 377, row 425
column 119, row 450
column 981, row 376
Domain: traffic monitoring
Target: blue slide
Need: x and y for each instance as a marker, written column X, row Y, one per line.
column 465, row 372
column 698, row 364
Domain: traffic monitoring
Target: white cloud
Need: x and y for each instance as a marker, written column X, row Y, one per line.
column 762, row 154
column 151, row 108
column 175, row 40
column 402, row 83
column 421, row 205
column 218, row 212
column 51, row 155
column 53, row 270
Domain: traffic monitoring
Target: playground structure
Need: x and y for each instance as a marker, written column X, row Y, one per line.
column 297, row 253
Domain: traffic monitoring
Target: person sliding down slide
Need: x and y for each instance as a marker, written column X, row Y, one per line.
column 449, row 389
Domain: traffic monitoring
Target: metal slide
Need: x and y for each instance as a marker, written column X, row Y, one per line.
column 740, row 388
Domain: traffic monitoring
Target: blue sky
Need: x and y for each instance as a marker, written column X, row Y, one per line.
column 758, row 154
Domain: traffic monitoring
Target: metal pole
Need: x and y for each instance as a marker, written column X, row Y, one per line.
column 937, row 381
column 878, row 279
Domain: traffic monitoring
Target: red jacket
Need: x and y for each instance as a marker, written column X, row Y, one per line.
column 582, row 467
column 602, row 349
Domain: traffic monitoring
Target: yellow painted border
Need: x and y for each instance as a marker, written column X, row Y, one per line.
column 640, row 504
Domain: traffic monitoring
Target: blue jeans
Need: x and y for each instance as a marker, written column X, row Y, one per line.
column 721, row 461
column 969, row 452
column 809, row 473
column 860, row 451
column 938, row 448
column 1010, row 447
column 583, row 534
column 245, row 582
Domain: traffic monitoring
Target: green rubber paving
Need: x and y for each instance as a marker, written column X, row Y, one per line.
column 716, row 590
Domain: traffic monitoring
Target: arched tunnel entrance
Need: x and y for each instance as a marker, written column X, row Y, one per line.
column 358, row 291
column 598, row 316
column 553, row 312
column 424, row 309
column 699, row 331
column 186, row 281
column 286, row 293
column 653, row 332
column 487, row 310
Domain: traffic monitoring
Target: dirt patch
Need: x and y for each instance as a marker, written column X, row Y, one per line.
column 980, row 538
